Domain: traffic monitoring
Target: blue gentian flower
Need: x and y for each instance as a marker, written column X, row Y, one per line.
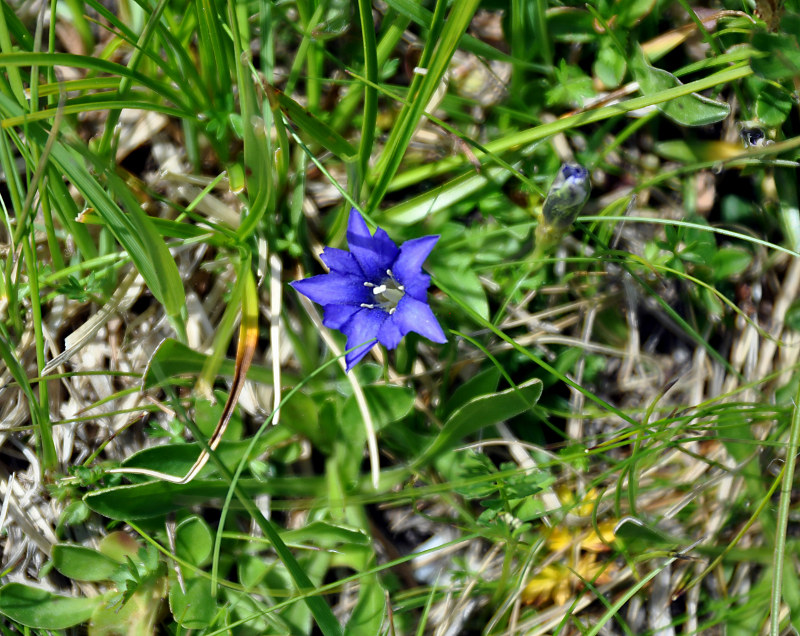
column 376, row 291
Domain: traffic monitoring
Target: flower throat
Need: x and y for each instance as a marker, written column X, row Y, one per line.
column 388, row 294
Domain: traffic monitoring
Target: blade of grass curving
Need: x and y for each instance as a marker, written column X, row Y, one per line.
column 393, row 33
column 315, row 128
column 112, row 120
column 435, row 59
column 85, row 62
column 784, row 506
column 134, row 230
column 417, row 13
column 245, row 350
column 78, row 85
column 693, row 226
column 181, row 70
column 257, row 143
column 370, row 94
column 13, row 25
column 96, row 103
column 49, row 454
column 523, row 138
column 14, row 78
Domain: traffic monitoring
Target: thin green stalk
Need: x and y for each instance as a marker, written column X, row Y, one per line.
column 14, row 76
column 49, row 454
column 303, row 48
column 392, row 35
column 525, row 137
column 370, row 94
column 125, row 82
column 435, row 59
column 781, row 525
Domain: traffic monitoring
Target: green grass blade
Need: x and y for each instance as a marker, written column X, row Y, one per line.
column 370, row 94
column 523, row 138
column 435, row 59
column 784, row 506
column 134, row 230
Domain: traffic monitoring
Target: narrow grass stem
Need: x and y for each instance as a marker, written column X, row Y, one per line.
column 49, row 454
column 783, row 517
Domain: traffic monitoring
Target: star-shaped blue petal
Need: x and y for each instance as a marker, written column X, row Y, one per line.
column 376, row 291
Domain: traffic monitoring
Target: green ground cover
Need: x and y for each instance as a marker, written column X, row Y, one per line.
column 573, row 229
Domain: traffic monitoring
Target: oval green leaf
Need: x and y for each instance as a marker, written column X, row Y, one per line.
column 194, row 541
column 83, row 564
column 41, row 609
column 687, row 110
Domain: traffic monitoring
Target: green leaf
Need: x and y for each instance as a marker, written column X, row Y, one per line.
column 686, row 110
column 640, row 537
column 156, row 498
column 609, row 66
column 386, row 404
column 369, row 612
column 484, row 383
column 629, row 12
column 773, row 105
column 730, row 261
column 173, row 359
column 81, row 563
column 460, row 280
column 194, row 609
column 40, row 609
column 177, row 459
column 481, row 412
column 315, row 128
column 326, row 535
column 194, row 541
column 137, row 617
column 572, row 87
column 777, row 57
column 300, row 414
column 119, row 546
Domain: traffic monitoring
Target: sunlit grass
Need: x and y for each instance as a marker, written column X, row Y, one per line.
column 606, row 441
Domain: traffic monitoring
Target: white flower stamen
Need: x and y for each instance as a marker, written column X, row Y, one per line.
column 387, row 293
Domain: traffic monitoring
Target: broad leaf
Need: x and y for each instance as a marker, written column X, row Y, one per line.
column 40, row 609
column 687, row 110
column 82, row 564
column 480, row 413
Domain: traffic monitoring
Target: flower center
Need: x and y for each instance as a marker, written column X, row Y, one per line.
column 387, row 294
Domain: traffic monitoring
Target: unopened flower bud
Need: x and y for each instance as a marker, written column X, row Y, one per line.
column 567, row 196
